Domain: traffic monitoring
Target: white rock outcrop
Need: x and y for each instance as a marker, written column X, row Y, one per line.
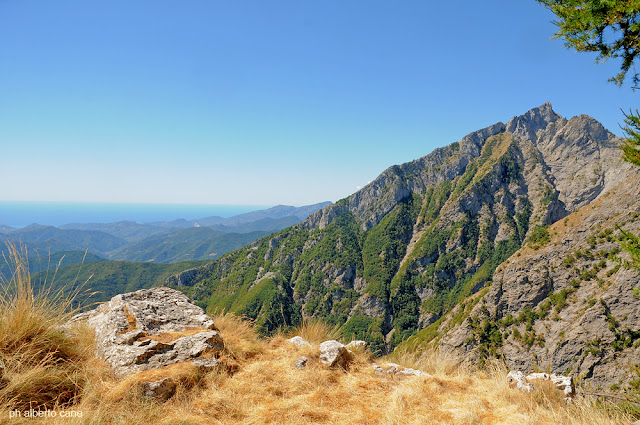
column 334, row 354
column 519, row 380
column 152, row 328
column 299, row 342
column 357, row 345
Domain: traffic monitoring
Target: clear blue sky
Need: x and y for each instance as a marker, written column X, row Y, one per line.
column 266, row 102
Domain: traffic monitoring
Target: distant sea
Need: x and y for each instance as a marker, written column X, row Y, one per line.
column 20, row 214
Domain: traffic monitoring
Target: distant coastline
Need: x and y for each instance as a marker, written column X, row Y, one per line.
column 21, row 214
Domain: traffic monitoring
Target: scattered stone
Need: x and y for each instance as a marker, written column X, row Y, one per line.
column 564, row 383
column 519, row 380
column 395, row 369
column 161, row 390
column 299, row 342
column 357, row 345
column 334, row 354
column 301, row 363
column 152, row 328
column 206, row 364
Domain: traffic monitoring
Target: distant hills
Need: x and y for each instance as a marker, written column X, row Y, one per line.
column 196, row 243
column 287, row 213
column 130, row 231
column 47, row 239
column 160, row 242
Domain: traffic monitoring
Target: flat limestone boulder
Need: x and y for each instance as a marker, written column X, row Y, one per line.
column 334, row 354
column 516, row 378
column 563, row 383
column 152, row 328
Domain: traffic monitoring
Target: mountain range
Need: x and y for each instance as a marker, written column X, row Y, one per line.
column 460, row 248
column 96, row 245
column 164, row 242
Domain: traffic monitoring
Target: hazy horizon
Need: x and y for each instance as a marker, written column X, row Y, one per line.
column 24, row 213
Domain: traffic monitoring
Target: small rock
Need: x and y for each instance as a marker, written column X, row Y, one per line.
column 357, row 345
column 299, row 342
column 517, row 379
column 564, row 383
column 301, row 363
column 207, row 364
column 379, row 370
column 395, row 369
column 334, row 354
column 161, row 390
column 399, row 370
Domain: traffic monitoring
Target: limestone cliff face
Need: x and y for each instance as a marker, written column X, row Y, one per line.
column 568, row 306
column 405, row 251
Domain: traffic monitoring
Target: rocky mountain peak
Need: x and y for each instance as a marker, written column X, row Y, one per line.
column 400, row 254
column 527, row 125
column 579, row 158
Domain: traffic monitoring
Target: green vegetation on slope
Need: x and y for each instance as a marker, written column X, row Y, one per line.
column 108, row 278
column 39, row 262
column 415, row 264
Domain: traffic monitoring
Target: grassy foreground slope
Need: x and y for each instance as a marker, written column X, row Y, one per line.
column 47, row 370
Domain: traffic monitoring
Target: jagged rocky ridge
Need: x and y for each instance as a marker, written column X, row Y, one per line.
column 398, row 255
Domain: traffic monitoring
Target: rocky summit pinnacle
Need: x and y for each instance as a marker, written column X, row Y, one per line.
column 528, row 124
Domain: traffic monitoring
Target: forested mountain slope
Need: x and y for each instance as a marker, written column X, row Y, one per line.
column 398, row 255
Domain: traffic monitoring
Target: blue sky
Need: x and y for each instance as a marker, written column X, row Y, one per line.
column 266, row 102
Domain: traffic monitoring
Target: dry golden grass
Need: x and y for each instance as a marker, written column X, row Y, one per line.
column 433, row 361
column 266, row 388
column 316, row 331
column 42, row 366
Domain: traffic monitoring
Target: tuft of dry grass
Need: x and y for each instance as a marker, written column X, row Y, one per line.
column 317, row 331
column 432, row 361
column 42, row 363
column 240, row 340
